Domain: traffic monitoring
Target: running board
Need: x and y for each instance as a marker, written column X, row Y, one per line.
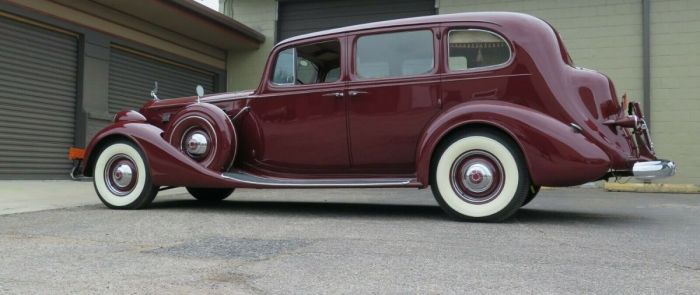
column 320, row 182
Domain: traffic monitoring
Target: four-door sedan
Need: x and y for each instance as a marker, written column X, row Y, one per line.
column 485, row 108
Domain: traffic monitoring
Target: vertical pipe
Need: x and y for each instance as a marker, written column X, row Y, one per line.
column 646, row 59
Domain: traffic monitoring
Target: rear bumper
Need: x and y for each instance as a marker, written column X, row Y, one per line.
column 653, row 169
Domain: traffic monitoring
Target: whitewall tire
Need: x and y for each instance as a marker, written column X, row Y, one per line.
column 479, row 175
column 122, row 177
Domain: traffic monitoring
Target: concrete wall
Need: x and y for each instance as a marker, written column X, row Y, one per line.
column 244, row 68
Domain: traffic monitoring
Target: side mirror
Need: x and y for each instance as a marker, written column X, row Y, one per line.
column 200, row 92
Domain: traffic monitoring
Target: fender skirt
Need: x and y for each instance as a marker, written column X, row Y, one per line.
column 168, row 165
column 556, row 153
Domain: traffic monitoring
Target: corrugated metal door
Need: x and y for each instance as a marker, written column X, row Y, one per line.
column 131, row 78
column 38, row 82
column 300, row 17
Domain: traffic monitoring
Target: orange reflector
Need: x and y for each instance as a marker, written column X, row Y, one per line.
column 75, row 153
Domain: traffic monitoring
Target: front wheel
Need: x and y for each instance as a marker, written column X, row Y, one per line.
column 479, row 175
column 210, row 194
column 122, row 177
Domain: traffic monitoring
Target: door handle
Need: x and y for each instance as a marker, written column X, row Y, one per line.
column 335, row 94
column 356, row 92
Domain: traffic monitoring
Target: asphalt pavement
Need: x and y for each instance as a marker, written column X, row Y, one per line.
column 365, row 241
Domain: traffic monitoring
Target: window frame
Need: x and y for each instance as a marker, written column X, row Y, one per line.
column 354, row 76
column 478, row 69
column 273, row 65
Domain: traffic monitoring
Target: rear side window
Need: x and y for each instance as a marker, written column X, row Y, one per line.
column 394, row 54
column 474, row 49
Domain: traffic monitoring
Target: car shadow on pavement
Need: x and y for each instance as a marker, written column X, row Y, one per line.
column 282, row 208
column 544, row 216
column 319, row 209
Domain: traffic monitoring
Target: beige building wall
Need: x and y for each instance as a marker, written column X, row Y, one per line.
column 675, row 85
column 244, row 68
column 601, row 35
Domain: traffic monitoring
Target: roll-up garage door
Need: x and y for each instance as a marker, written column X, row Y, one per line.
column 38, row 74
column 131, row 77
column 298, row 17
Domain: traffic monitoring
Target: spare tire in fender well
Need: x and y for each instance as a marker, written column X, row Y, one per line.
column 213, row 122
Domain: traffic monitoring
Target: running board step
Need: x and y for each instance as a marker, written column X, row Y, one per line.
column 321, row 182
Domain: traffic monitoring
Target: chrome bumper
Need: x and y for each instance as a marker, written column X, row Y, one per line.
column 653, row 169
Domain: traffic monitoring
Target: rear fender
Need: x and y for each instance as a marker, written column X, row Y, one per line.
column 555, row 152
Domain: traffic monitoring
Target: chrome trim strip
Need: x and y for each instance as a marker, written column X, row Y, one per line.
column 244, row 109
column 576, row 127
column 643, row 126
column 349, row 182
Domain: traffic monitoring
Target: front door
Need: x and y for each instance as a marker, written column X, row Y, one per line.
column 392, row 95
column 301, row 114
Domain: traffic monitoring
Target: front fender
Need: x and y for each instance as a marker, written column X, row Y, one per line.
column 168, row 166
column 556, row 155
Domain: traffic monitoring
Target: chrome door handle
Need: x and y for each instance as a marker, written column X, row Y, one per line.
column 356, row 92
column 335, row 94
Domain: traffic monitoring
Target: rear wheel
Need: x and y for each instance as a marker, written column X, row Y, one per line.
column 210, row 194
column 479, row 175
column 531, row 194
column 122, row 177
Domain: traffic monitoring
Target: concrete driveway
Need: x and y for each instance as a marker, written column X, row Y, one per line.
column 355, row 241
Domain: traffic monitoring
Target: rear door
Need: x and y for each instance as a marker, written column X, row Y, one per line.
column 393, row 93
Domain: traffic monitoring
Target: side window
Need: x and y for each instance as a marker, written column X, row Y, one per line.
column 473, row 49
column 394, row 54
column 308, row 64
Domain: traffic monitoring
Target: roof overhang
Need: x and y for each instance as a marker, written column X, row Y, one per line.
column 192, row 20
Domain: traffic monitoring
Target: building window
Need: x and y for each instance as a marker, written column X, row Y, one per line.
column 394, row 54
column 474, row 49
column 308, row 64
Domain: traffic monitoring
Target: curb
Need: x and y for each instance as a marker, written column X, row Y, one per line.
column 652, row 188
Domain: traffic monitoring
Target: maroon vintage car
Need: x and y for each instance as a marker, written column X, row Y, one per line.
column 485, row 108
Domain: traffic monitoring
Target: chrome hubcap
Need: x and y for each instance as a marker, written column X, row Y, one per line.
column 477, row 177
column 120, row 174
column 196, row 143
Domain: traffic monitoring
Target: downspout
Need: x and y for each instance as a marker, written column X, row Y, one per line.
column 646, row 60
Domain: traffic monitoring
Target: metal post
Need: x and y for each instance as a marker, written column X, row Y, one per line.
column 646, row 59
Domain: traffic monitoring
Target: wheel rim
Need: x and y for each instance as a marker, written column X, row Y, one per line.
column 477, row 177
column 121, row 174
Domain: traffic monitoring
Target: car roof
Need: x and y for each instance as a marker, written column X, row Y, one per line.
column 490, row 17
